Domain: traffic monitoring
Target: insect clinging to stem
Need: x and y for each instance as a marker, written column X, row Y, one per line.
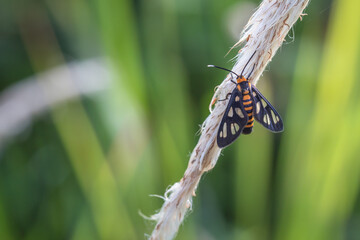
column 246, row 104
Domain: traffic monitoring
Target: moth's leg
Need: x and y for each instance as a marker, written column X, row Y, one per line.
column 226, row 98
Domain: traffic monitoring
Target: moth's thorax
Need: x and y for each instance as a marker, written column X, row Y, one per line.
column 243, row 85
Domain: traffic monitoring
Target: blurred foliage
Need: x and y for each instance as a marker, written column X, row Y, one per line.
column 83, row 169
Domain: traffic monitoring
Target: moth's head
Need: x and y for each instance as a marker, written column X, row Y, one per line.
column 240, row 79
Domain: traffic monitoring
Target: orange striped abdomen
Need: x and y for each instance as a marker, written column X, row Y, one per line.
column 248, row 106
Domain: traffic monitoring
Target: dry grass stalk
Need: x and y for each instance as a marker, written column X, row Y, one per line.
column 264, row 33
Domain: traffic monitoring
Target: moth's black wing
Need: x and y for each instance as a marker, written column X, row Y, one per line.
column 233, row 121
column 265, row 113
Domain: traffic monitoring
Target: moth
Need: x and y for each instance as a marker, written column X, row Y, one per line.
column 246, row 104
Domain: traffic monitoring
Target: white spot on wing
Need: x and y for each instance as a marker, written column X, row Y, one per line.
column 232, row 129
column 237, row 98
column 239, row 112
column 264, row 103
column 237, row 127
column 258, row 107
column 265, row 119
column 231, row 113
column 224, row 130
column 273, row 116
column 268, row 119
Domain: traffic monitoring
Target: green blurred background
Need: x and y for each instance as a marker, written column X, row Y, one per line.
column 101, row 102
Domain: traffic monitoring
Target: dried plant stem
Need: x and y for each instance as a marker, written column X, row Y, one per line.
column 264, row 33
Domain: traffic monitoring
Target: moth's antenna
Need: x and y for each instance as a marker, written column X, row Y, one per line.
column 247, row 63
column 251, row 72
column 223, row 69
